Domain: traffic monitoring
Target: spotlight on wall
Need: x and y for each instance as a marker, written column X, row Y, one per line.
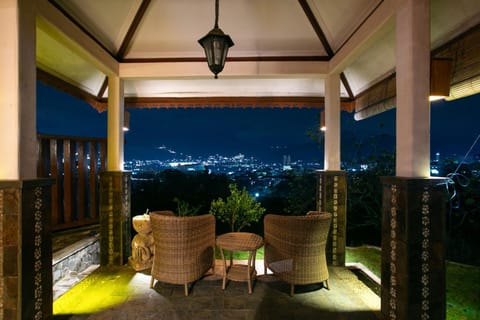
column 322, row 121
column 126, row 121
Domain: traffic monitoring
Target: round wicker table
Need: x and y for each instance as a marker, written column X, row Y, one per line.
column 239, row 241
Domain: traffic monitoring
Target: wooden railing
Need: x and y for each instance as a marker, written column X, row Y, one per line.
column 75, row 164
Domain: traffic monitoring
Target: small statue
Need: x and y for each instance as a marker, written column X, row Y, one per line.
column 142, row 243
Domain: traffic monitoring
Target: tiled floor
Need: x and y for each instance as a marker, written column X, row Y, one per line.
column 348, row 298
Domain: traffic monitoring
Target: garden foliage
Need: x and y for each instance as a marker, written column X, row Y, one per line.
column 238, row 210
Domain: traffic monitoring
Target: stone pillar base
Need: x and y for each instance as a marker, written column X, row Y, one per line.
column 25, row 249
column 332, row 197
column 115, row 233
column 413, row 258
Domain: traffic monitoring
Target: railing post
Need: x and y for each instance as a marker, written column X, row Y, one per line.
column 75, row 163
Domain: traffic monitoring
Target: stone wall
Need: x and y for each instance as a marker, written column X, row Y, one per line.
column 77, row 259
column 9, row 248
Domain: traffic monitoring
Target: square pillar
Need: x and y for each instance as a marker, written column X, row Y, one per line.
column 412, row 36
column 413, row 248
column 332, row 122
column 332, row 197
column 115, row 219
column 25, row 249
column 115, row 119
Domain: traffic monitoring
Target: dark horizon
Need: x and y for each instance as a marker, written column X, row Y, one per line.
column 266, row 134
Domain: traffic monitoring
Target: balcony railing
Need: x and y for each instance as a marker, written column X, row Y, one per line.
column 75, row 164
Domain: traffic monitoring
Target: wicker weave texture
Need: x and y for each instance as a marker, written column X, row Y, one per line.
column 163, row 212
column 184, row 247
column 295, row 247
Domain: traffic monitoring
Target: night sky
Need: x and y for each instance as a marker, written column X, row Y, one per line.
column 267, row 134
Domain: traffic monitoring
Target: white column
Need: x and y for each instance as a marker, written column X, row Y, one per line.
column 115, row 124
column 332, row 122
column 413, row 87
column 17, row 91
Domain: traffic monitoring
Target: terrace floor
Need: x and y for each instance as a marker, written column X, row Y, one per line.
column 123, row 294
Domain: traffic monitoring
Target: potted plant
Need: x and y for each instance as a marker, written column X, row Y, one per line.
column 184, row 209
column 239, row 210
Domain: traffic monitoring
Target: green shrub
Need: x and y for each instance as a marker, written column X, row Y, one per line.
column 239, row 210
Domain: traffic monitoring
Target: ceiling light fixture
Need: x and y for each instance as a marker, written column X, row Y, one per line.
column 216, row 45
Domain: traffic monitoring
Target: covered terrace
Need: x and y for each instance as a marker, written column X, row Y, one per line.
column 364, row 56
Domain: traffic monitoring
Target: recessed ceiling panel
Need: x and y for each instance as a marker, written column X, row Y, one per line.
column 107, row 20
column 58, row 60
column 338, row 19
column 373, row 64
column 451, row 18
column 171, row 29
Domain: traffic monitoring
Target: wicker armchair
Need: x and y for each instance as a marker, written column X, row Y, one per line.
column 163, row 212
column 184, row 248
column 295, row 248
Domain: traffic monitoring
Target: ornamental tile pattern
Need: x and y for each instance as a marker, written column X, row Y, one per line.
column 37, row 253
column 413, row 254
column 425, row 256
column 114, row 218
column 331, row 197
column 110, row 222
column 393, row 252
column 335, row 221
column 320, row 194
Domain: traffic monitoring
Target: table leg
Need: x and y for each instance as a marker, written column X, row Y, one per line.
column 224, row 270
column 251, row 257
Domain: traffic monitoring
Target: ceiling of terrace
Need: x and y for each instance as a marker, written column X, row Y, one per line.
column 283, row 48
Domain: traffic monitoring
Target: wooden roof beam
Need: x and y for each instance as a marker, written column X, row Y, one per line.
column 232, row 68
column 233, row 102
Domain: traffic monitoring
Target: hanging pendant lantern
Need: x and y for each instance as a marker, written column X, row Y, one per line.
column 216, row 45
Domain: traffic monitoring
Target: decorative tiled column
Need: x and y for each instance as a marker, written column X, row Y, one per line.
column 25, row 249
column 115, row 224
column 413, row 258
column 332, row 197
